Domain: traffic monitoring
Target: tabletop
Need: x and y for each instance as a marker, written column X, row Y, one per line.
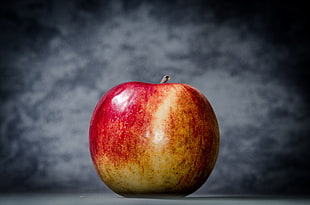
column 107, row 199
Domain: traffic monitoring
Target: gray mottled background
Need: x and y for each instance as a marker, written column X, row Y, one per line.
column 248, row 57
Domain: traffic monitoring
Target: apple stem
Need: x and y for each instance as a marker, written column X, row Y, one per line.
column 165, row 79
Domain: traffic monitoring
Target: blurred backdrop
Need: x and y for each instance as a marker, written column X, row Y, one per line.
column 57, row 58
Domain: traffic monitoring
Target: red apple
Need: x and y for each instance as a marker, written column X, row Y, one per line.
column 154, row 139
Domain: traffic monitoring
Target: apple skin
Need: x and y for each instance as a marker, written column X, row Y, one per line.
column 153, row 139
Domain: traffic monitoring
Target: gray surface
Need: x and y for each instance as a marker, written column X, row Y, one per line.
column 58, row 57
column 92, row 199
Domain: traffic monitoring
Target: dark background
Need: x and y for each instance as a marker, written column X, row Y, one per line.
column 248, row 57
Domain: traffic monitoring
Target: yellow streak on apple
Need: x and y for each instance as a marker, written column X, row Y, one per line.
column 159, row 162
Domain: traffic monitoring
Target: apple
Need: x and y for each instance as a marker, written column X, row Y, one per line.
column 153, row 139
